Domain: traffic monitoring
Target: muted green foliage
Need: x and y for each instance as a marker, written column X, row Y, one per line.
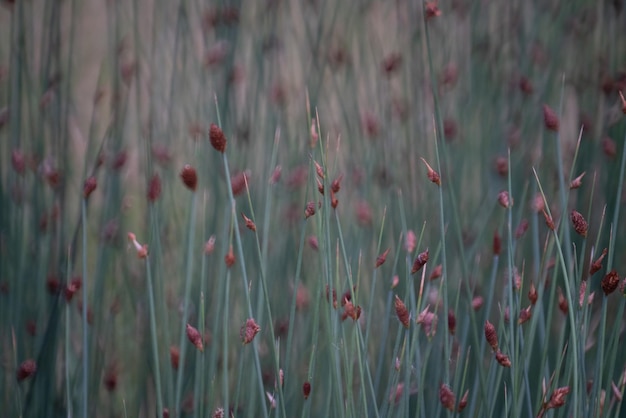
column 310, row 94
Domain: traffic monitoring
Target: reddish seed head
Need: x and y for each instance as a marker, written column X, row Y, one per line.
column 154, row 188
column 502, row 166
column 249, row 330
column 380, row 260
column 597, row 265
column 189, row 176
column 526, row 86
column 431, row 10
column 503, row 359
column 549, row 221
column 497, row 243
column 195, row 337
column 428, row 321
column 217, row 138
column 306, row 389
column 229, row 258
column 524, row 315
column 335, row 186
column 110, row 378
column 532, row 293
column 410, row 241
column 402, row 312
column 609, row 147
column 610, row 282
column 26, row 369
column 89, row 186
column 174, row 357
column 239, row 181
column 276, row 174
column 563, row 305
column 557, row 399
column 504, row 199
column 521, row 229
column 334, row 202
column 550, row 118
column 463, row 401
column 491, row 336
column 477, row 302
column 437, row 272
column 451, row 322
column 577, row 182
column 309, row 210
column 18, row 161
column 249, row 224
column 420, row 261
column 579, row 222
column 446, row 397
column 581, row 292
column 432, row 174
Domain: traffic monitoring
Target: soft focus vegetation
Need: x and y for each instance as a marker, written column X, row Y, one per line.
column 312, row 208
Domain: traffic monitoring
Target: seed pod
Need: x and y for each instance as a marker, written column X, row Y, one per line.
column 451, row 322
column 217, row 138
column 524, row 315
column 229, row 258
column 402, row 312
column 557, row 399
column 174, row 357
column 550, row 118
column 154, row 188
column 249, row 330
column 610, row 282
column 623, row 100
column 497, row 243
column 491, row 336
column 577, row 182
column 503, row 359
column 437, row 272
column 579, row 222
column 432, row 174
column 563, row 304
column 446, row 397
column 420, row 261
column 549, row 221
column 309, row 210
column 189, row 177
column 597, row 265
column 249, row 224
column 26, row 369
column 463, row 401
column 532, row 293
column 306, row 389
column 504, row 199
column 380, row 260
column 195, row 337
column 90, row 185
column 521, row 229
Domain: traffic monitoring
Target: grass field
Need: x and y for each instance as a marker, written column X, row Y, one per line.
column 312, row 208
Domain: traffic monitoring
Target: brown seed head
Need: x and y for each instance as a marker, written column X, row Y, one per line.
column 477, row 302
column 428, row 321
column 249, row 224
column 110, row 378
column 597, row 265
column 90, row 185
column 218, row 413
column 446, row 397
column 309, row 210
column 249, row 330
column 451, row 322
column 431, row 10
column 563, row 305
column 229, row 258
column 623, row 100
column 239, row 182
column 502, row 166
column 491, row 336
column 532, row 293
column 526, row 86
column 209, row 245
column 410, row 241
column 577, row 182
column 524, row 315
column 497, row 243
column 334, row 202
column 154, row 188
column 504, row 199
column 549, row 221
column 217, row 138
column 463, row 401
column 335, row 186
column 195, row 337
column 402, row 312
column 521, row 229
column 550, row 118
column 557, row 399
column 579, row 222
column 420, row 261
column 189, row 177
column 503, row 359
column 26, row 370
column 437, row 272
column 174, row 357
column 610, row 282
column 380, row 260
column 306, row 389
column 432, row 174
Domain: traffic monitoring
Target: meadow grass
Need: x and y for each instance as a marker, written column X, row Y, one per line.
column 316, row 209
